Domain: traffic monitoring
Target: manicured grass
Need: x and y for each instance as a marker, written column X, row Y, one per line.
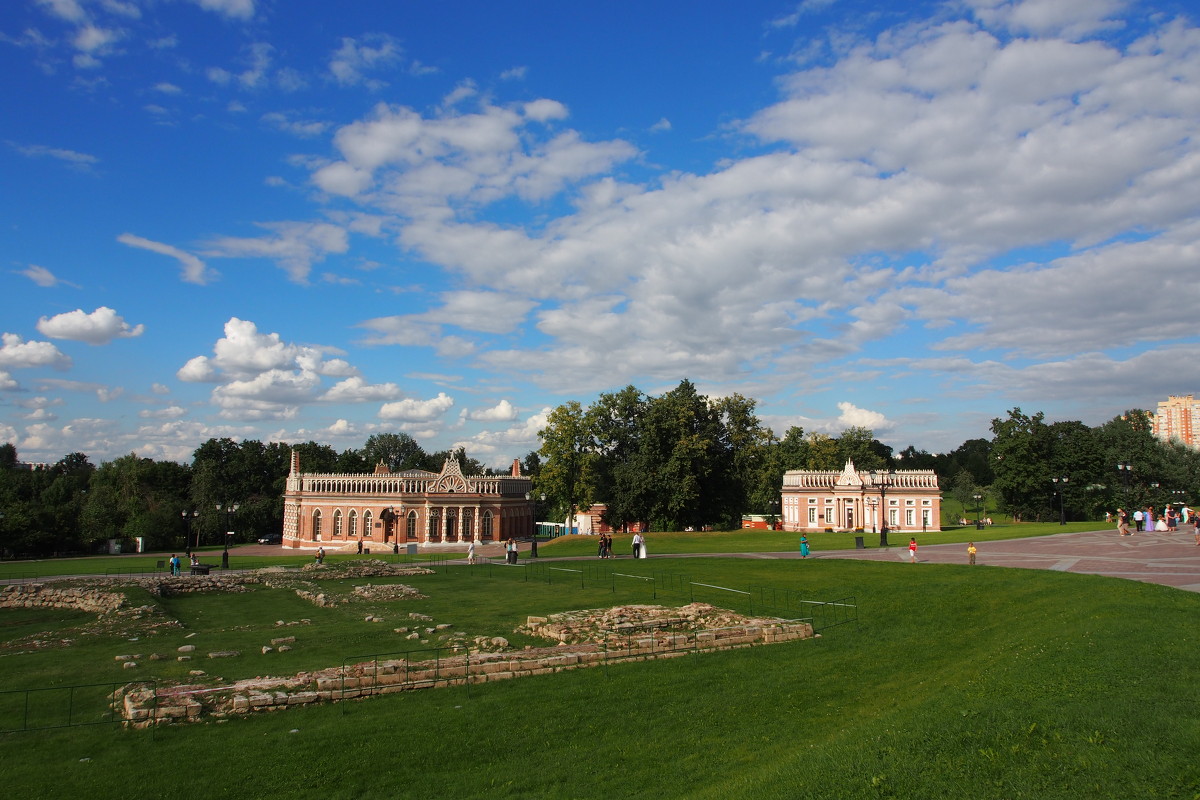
column 956, row 682
column 749, row 540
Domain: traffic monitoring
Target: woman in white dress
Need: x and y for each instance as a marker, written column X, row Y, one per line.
column 642, row 549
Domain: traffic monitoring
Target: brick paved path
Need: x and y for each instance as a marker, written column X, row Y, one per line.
column 1172, row 559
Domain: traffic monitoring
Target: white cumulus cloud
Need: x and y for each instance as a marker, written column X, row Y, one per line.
column 99, row 327
column 413, row 410
column 16, row 353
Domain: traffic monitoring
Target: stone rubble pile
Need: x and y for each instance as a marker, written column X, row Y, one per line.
column 40, row 595
column 600, row 625
column 364, row 568
column 142, row 707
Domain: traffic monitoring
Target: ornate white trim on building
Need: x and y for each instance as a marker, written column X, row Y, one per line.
column 386, row 509
column 818, row 500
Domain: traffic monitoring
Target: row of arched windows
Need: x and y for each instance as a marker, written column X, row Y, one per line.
column 438, row 526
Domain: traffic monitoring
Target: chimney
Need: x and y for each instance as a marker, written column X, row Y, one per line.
column 516, row 468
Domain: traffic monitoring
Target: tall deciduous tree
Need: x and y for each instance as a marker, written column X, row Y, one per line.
column 398, row 451
column 1021, row 452
column 566, row 446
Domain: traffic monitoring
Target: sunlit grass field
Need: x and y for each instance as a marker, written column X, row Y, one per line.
column 958, row 682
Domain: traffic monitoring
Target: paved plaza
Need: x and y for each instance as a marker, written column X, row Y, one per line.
column 1172, row 559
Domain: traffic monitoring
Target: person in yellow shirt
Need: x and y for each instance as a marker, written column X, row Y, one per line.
column 971, row 553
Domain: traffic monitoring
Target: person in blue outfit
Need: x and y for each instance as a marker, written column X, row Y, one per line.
column 803, row 545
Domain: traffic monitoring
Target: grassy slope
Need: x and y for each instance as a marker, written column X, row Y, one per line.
column 964, row 682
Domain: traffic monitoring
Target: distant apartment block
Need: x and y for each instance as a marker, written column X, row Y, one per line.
column 1178, row 419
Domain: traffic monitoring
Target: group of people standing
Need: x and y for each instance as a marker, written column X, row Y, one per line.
column 176, row 563
column 604, row 546
column 1146, row 520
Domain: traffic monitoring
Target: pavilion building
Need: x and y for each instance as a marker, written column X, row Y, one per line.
column 388, row 509
column 820, row 500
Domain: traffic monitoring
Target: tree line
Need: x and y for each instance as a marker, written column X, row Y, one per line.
column 76, row 507
column 679, row 460
column 682, row 460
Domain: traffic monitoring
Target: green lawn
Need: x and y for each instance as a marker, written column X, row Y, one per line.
column 956, row 682
column 749, row 540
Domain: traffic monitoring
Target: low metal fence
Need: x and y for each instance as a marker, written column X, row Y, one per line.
column 63, row 706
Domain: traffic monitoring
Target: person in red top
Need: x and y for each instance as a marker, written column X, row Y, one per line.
column 912, row 550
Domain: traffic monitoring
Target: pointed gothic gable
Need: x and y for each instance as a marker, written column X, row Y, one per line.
column 849, row 476
column 451, row 479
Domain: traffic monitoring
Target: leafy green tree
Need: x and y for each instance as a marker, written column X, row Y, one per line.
column 859, row 445
column 8, row 456
column 566, row 448
column 351, row 461
column 531, row 464
column 748, row 447
column 611, row 425
column 398, row 451
column 912, row 458
column 133, row 497
column 823, row 452
column 1021, row 451
column 316, row 457
column 793, row 449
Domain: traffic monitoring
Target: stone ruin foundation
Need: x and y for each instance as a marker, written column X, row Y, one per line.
column 584, row 639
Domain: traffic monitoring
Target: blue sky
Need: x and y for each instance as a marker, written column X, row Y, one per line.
column 306, row 220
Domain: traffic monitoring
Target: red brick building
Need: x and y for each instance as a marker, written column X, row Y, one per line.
column 387, row 509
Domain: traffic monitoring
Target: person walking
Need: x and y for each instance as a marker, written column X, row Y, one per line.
column 971, row 553
column 1122, row 522
column 471, row 552
column 1138, row 519
column 912, row 550
column 803, row 545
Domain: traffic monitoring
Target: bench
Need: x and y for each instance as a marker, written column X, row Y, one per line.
column 201, row 569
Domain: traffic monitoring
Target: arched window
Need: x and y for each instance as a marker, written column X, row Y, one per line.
column 316, row 525
column 337, row 524
column 410, row 531
column 435, row 520
column 367, row 524
column 353, row 523
column 486, row 533
column 451, row 525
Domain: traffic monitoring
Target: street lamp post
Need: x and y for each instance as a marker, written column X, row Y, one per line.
column 978, row 511
column 230, row 509
column 187, row 525
column 883, row 479
column 1124, row 467
column 1062, row 516
column 400, row 519
column 533, row 534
